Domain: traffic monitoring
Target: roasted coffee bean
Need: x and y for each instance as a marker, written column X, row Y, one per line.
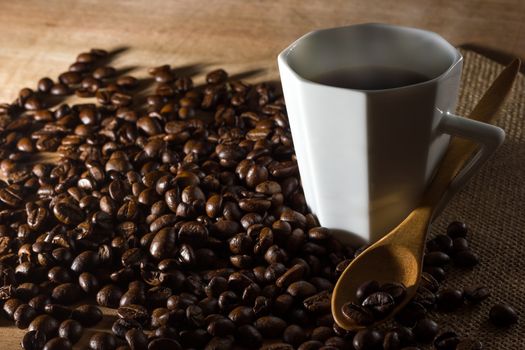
column 503, row 315
column 437, row 258
column 87, row 315
column 429, row 282
column 122, row 325
column 359, row 314
column 221, row 327
column 241, row 315
column 33, row 340
column 466, row 258
column 365, row 289
column 70, row 330
column 45, row 324
column 318, row 303
column 136, row 339
column 301, row 289
column 457, row 229
column 425, row 330
column 446, row 341
column 475, row 295
column 270, row 326
column 67, row 293
column 88, row 282
column 449, row 299
column 109, row 296
column 133, row 312
column 85, row 261
column 23, row 315
column 380, row 303
column 58, row 343
column 367, row 339
column 102, row 341
column 392, row 341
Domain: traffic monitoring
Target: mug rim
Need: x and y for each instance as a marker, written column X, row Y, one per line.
column 283, row 57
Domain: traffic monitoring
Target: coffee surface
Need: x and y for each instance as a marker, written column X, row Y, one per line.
column 370, row 78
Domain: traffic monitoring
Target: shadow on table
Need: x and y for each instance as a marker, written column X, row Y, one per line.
column 499, row 56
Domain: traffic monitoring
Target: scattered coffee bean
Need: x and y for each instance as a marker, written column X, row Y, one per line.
column 503, row 315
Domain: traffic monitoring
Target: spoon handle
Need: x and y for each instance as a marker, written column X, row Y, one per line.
column 450, row 175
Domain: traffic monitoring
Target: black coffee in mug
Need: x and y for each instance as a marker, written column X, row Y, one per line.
column 370, row 78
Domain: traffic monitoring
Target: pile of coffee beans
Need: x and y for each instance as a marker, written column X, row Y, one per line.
column 375, row 302
column 182, row 209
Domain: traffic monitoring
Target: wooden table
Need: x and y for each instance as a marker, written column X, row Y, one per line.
column 41, row 38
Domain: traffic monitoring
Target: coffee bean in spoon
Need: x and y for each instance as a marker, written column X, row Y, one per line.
column 380, row 303
column 361, row 315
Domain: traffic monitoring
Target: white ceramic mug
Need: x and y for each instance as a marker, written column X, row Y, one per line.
column 366, row 156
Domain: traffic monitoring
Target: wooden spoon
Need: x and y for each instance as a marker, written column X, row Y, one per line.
column 398, row 256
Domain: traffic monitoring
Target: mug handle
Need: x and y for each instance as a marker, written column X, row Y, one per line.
column 488, row 136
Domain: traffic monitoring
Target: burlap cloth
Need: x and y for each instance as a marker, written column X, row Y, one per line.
column 492, row 204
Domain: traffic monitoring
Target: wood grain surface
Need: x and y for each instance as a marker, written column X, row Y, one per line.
column 41, row 38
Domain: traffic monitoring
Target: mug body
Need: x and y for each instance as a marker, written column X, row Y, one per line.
column 366, row 156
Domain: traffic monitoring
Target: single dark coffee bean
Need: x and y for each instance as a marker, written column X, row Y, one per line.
column 122, row 325
column 503, row 315
column 425, row 330
column 449, row 299
column 85, row 261
column 459, row 244
column 457, row 229
column 109, row 296
column 33, row 340
column 367, row 339
column 23, row 315
column 301, row 289
column 270, row 326
column 365, row 289
column 466, row 258
column 380, row 303
column 241, row 315
column 71, row 330
column 425, row 297
column 221, row 327
column 429, row 282
column 87, row 315
column 475, row 295
column 88, row 282
column 58, row 343
column 318, row 303
column 294, row 335
column 136, row 339
column 446, row 341
column 134, row 312
column 45, row 324
column 102, row 341
column 67, row 293
column 359, row 314
column 392, row 341
column 436, row 258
